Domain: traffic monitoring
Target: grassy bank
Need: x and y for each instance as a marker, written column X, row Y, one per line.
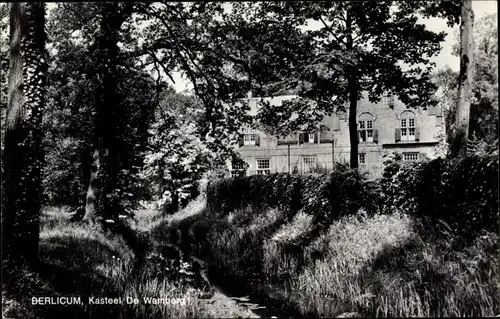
column 77, row 260
column 378, row 265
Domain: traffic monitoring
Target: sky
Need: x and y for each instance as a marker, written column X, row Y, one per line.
column 480, row 8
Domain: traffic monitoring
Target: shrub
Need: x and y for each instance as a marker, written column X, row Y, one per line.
column 462, row 192
column 326, row 196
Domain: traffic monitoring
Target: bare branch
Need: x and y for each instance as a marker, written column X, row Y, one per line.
column 329, row 28
column 157, row 61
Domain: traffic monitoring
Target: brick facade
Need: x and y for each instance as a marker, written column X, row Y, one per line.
column 389, row 121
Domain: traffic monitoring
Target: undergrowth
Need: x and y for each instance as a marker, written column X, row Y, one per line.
column 81, row 261
column 382, row 265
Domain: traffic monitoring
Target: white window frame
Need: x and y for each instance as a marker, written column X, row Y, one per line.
column 362, row 158
column 408, row 129
column 410, row 156
column 385, row 101
column 263, row 169
column 249, row 136
column 365, row 130
column 308, row 163
column 238, row 170
column 311, row 138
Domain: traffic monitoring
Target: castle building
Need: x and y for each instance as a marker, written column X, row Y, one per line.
column 383, row 128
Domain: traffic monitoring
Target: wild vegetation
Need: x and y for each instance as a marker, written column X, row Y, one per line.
column 405, row 259
column 105, row 166
column 79, row 260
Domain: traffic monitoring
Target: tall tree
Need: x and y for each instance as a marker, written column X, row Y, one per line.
column 483, row 121
column 4, row 70
column 374, row 47
column 187, row 38
column 70, row 125
column 23, row 156
column 176, row 157
column 102, row 202
column 460, row 130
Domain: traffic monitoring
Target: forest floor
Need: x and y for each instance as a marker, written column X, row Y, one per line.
column 257, row 264
column 381, row 265
column 226, row 297
column 78, row 261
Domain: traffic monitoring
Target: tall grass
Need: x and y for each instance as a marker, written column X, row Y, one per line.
column 369, row 265
column 79, row 260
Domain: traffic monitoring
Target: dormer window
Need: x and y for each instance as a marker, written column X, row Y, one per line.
column 388, row 100
column 311, row 138
column 308, row 138
column 249, row 137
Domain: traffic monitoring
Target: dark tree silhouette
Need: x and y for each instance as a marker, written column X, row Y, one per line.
column 23, row 154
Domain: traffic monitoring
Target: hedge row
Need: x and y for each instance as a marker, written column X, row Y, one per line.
column 461, row 192
column 326, row 196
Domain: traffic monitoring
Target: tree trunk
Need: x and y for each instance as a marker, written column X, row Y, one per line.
column 353, row 91
column 460, row 131
column 85, row 174
column 23, row 155
column 353, row 88
column 101, row 200
column 93, row 190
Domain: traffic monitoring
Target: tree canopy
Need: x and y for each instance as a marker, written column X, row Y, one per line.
column 377, row 47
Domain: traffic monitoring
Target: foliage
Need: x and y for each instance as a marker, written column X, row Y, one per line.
column 461, row 192
column 176, row 157
column 345, row 271
column 22, row 153
column 4, row 67
column 353, row 47
column 483, row 125
column 72, row 254
column 187, row 38
column 327, row 196
column 69, row 122
column 4, row 55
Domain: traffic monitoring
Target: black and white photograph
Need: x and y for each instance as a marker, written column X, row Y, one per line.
column 266, row 159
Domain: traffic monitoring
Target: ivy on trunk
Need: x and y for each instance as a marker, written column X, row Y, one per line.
column 23, row 154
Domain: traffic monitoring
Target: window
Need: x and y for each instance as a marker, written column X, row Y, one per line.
column 410, row 157
column 311, row 138
column 362, row 158
column 238, row 169
column 238, row 173
column 308, row 138
column 308, row 163
column 387, row 100
column 263, row 166
column 365, row 127
column 249, row 136
column 407, row 126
